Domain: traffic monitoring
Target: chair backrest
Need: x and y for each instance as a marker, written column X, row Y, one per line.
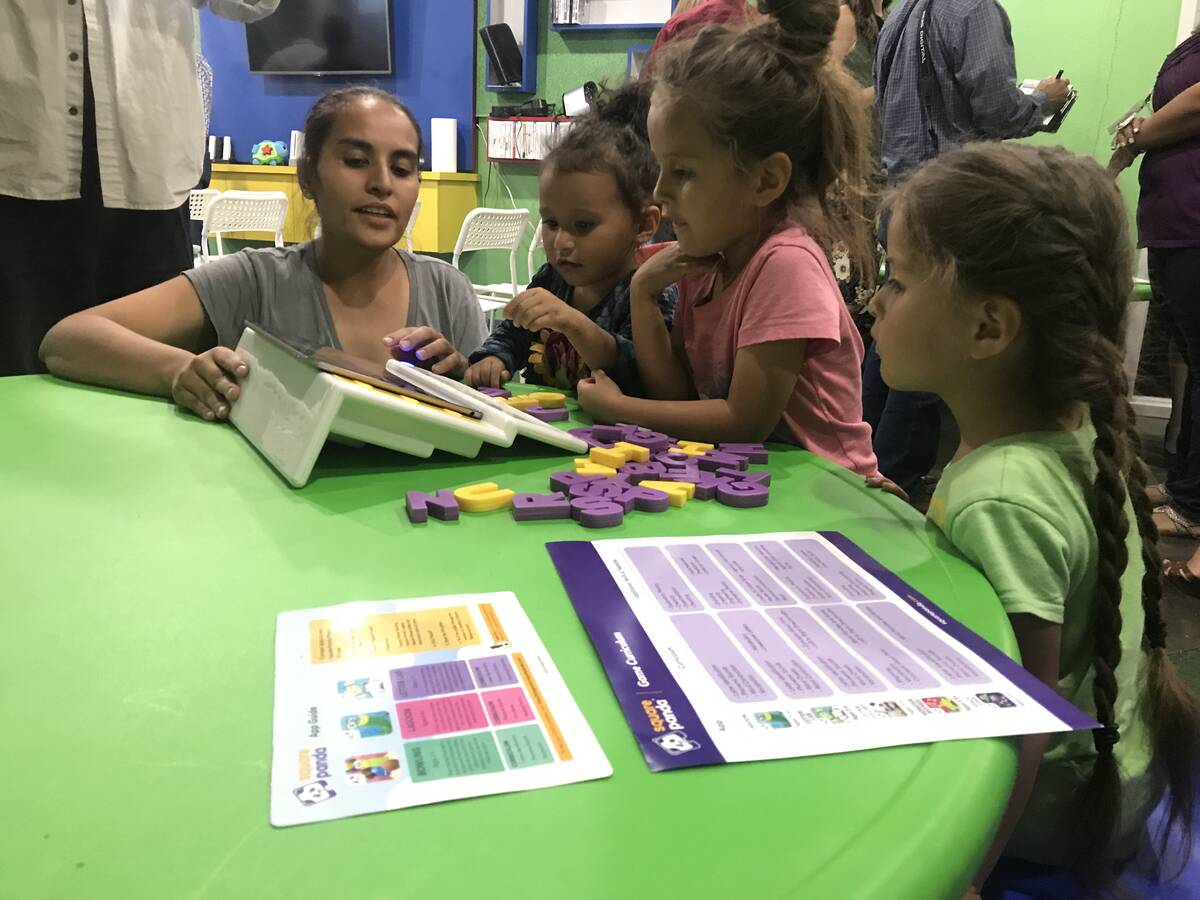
column 412, row 223
column 245, row 211
column 198, row 202
column 493, row 229
column 534, row 245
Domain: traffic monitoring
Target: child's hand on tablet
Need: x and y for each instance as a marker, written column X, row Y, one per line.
column 431, row 349
column 208, row 384
column 488, row 372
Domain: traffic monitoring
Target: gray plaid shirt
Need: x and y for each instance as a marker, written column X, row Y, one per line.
column 975, row 95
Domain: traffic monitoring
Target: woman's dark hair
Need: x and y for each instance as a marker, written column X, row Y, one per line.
column 324, row 112
column 1047, row 229
column 866, row 24
column 611, row 137
column 768, row 89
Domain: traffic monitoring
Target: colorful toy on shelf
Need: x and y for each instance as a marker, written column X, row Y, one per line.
column 269, row 153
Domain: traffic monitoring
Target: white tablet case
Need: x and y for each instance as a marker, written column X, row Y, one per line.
column 288, row 409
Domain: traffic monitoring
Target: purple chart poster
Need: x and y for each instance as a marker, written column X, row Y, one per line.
column 729, row 648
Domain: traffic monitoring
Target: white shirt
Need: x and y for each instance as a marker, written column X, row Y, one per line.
column 149, row 119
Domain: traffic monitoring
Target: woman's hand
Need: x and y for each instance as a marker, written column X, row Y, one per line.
column 600, row 397
column 488, row 372
column 665, row 268
column 1127, row 134
column 207, row 384
column 429, row 346
column 536, row 309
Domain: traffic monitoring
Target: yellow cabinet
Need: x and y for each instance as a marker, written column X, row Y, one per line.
column 446, row 198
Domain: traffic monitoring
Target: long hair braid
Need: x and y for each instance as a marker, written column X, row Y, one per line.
column 1048, row 230
column 1099, row 802
column 1172, row 716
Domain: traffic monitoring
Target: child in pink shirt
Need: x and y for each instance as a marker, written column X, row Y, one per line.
column 747, row 125
column 786, row 292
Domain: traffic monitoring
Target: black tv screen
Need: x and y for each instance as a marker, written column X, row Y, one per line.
column 305, row 37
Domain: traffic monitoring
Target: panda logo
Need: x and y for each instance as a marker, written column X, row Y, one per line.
column 676, row 743
column 314, row 792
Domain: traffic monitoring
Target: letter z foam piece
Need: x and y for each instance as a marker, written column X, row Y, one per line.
column 442, row 504
column 679, row 492
column 483, row 497
column 528, row 507
column 743, row 494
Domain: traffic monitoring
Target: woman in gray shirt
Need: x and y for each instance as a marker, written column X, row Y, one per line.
column 350, row 288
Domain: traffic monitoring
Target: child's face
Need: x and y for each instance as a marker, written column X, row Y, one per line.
column 700, row 187
column 922, row 330
column 588, row 232
column 367, row 175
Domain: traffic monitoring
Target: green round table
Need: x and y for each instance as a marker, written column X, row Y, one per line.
column 146, row 554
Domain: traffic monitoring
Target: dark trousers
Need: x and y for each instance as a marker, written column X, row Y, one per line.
column 1175, row 280
column 906, row 427
column 60, row 256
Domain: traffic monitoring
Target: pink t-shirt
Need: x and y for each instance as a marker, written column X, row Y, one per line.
column 785, row 292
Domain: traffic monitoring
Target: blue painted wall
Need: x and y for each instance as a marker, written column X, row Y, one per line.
column 433, row 49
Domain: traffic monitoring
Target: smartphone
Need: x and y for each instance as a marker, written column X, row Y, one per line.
column 338, row 362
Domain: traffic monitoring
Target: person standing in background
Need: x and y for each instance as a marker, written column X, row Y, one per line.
column 1168, row 219
column 966, row 90
column 690, row 16
column 853, row 48
column 103, row 138
column 866, row 16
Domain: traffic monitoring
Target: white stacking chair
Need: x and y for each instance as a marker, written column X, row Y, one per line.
column 493, row 229
column 412, row 223
column 244, row 211
column 198, row 202
column 535, row 245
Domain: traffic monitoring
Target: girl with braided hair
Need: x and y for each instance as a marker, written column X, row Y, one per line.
column 1011, row 276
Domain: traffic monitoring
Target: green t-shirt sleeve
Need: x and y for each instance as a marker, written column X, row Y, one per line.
column 1023, row 554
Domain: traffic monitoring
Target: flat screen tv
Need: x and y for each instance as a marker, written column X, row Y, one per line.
column 322, row 37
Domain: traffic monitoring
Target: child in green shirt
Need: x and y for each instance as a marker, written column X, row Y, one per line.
column 1011, row 275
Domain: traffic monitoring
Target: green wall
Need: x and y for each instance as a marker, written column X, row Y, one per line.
column 1111, row 49
column 565, row 60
